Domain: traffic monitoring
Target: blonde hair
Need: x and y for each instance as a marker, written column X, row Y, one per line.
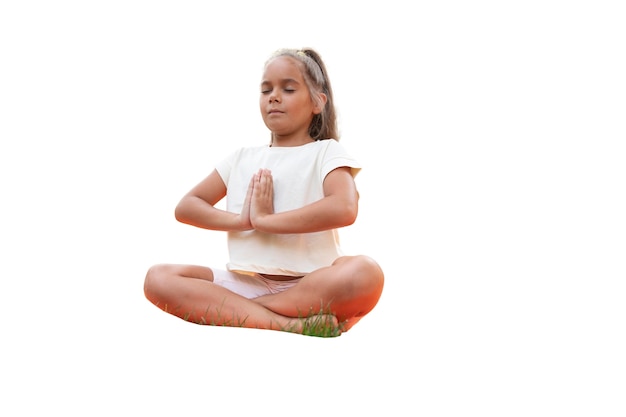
column 324, row 124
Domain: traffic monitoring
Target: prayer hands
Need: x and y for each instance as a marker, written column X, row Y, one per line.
column 260, row 197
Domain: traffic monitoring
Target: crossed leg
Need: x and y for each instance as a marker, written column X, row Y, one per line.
column 348, row 289
column 344, row 292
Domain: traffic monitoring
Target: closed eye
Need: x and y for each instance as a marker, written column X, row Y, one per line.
column 288, row 85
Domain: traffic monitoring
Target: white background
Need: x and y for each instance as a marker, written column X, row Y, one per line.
column 492, row 195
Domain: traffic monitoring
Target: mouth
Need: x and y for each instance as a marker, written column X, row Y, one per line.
column 274, row 111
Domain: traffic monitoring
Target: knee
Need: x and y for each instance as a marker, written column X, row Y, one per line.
column 368, row 274
column 374, row 272
column 361, row 289
column 155, row 281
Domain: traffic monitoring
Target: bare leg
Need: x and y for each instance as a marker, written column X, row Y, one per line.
column 187, row 291
column 348, row 289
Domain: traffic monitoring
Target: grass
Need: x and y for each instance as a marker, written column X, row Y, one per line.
column 321, row 324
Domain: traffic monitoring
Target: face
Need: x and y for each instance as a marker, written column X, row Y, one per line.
column 286, row 104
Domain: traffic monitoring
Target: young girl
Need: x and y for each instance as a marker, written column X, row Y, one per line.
column 285, row 202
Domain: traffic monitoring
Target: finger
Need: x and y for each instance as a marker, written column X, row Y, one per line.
column 250, row 187
column 267, row 175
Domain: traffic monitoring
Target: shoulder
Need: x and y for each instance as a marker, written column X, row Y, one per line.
column 335, row 156
column 330, row 147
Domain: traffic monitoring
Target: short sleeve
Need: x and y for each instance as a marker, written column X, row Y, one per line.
column 225, row 166
column 337, row 156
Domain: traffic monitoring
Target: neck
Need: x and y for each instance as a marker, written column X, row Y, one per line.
column 286, row 141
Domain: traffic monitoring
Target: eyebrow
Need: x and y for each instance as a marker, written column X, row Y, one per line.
column 283, row 81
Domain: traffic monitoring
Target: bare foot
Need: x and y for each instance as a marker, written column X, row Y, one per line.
column 320, row 325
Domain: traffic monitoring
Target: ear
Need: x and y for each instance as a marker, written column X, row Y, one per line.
column 320, row 103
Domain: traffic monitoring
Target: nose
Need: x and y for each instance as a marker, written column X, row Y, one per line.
column 274, row 96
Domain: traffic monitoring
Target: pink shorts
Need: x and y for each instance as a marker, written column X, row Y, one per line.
column 250, row 286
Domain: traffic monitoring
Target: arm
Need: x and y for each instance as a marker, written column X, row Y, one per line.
column 197, row 207
column 338, row 207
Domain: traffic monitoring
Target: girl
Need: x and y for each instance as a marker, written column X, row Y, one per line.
column 285, row 202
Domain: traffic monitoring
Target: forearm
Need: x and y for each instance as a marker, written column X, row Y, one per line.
column 327, row 213
column 197, row 212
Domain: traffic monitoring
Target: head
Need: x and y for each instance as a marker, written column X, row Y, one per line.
column 324, row 123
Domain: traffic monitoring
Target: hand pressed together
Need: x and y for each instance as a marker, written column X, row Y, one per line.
column 260, row 197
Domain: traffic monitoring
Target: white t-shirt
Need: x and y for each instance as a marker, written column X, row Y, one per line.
column 298, row 173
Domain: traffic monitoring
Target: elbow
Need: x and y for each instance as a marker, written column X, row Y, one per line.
column 352, row 218
column 181, row 213
column 349, row 215
column 348, row 210
column 178, row 214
